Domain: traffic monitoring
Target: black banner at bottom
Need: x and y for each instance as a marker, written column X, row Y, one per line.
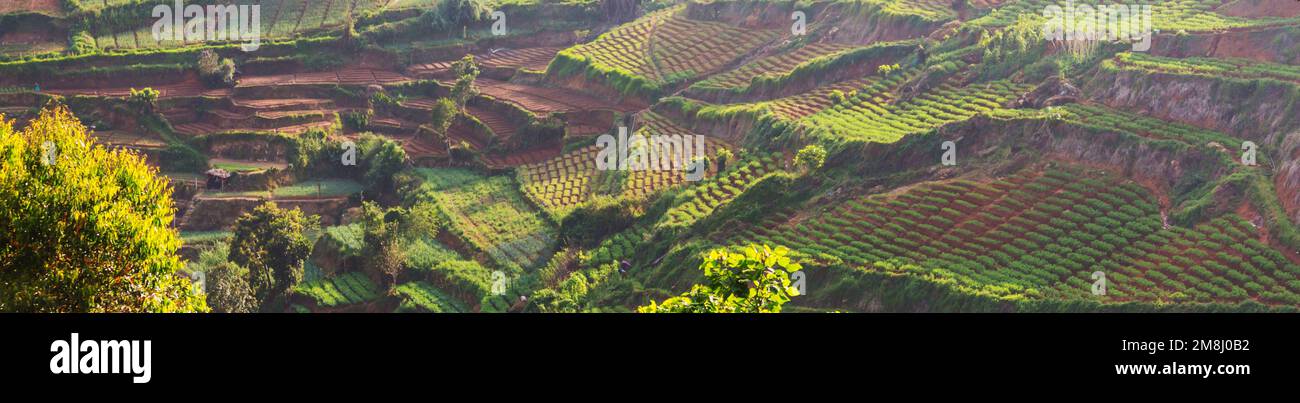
column 182, row 352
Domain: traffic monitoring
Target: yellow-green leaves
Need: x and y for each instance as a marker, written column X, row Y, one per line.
column 755, row 279
column 84, row 229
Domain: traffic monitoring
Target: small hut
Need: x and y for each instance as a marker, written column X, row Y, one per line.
column 217, row 178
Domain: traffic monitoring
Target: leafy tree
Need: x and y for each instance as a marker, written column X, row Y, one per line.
column 424, row 219
column 455, row 15
column 724, row 155
column 272, row 243
column 382, row 231
column 83, row 228
column 215, row 70
column 382, row 158
column 810, row 158
column 756, row 280
column 229, row 291
column 227, row 283
column 444, row 114
column 143, row 101
column 350, row 38
column 81, row 42
column 466, row 70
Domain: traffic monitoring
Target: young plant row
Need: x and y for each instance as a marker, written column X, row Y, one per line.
column 774, row 65
column 279, row 19
column 868, row 116
column 344, row 289
column 1209, row 67
column 1166, row 15
column 560, row 184
column 1101, row 117
column 664, row 48
column 420, row 296
column 699, row 201
column 491, row 216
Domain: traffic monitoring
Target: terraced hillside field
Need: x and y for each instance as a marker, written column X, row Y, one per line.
column 492, row 217
column 1167, row 15
column 775, row 65
column 1042, row 235
column 664, row 48
column 1076, row 157
column 560, row 184
column 279, row 19
column 870, row 116
column 1209, row 67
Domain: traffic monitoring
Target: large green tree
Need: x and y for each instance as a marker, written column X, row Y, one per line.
column 383, row 252
column 82, row 228
column 453, row 17
column 381, row 158
column 755, row 280
column 441, row 118
column 272, row 243
column 466, row 71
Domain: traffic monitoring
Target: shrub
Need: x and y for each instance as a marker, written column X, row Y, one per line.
column 811, row 157
column 214, row 70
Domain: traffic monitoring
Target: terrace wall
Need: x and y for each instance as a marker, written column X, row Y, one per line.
column 1274, row 45
column 1166, row 166
column 1287, row 176
column 217, row 214
column 1259, row 110
column 212, row 214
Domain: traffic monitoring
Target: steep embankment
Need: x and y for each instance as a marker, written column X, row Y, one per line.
column 1257, row 110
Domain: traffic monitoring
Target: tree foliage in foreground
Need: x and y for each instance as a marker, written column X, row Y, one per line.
column 756, row 280
column 82, row 228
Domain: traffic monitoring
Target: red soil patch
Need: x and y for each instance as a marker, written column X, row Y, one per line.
column 48, row 7
column 499, row 124
column 420, row 103
column 544, row 100
column 1261, row 8
column 428, row 70
column 201, row 128
column 186, row 89
column 522, row 158
column 535, row 59
column 422, row 146
column 265, row 105
column 32, row 38
column 461, row 132
column 346, row 76
column 528, row 58
column 392, row 125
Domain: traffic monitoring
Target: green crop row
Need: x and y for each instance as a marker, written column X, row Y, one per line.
column 491, row 216
column 699, row 201
column 868, row 116
column 565, row 182
column 345, row 289
column 1166, row 15
column 420, row 296
column 1209, row 67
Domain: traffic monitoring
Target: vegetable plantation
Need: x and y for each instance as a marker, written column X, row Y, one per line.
column 1033, row 236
